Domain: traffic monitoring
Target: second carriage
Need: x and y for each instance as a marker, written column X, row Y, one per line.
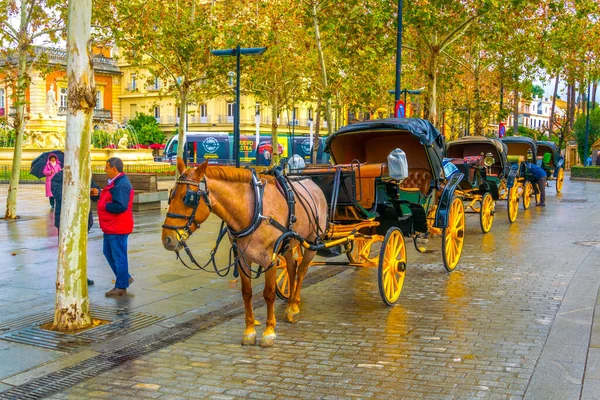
column 483, row 163
column 387, row 179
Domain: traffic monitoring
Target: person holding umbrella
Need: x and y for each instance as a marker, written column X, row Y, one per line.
column 50, row 169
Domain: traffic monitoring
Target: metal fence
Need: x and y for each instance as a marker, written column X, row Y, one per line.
column 161, row 170
column 6, row 172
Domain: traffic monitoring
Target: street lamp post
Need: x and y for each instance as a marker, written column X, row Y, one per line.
column 587, row 126
column 237, row 52
column 405, row 91
column 399, row 56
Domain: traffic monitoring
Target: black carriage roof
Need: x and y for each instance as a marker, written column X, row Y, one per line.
column 421, row 128
column 499, row 145
column 519, row 139
column 548, row 143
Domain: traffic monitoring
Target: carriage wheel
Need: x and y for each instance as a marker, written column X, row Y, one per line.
column 453, row 236
column 486, row 215
column 392, row 266
column 502, row 190
column 527, row 193
column 282, row 288
column 559, row 180
column 538, row 196
column 513, row 203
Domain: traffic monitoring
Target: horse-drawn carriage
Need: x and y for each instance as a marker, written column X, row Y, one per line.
column 386, row 183
column 366, row 190
column 548, row 154
column 483, row 163
column 520, row 149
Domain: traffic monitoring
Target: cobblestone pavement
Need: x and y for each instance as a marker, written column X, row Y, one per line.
column 476, row 332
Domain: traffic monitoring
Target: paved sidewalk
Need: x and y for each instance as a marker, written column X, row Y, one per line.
column 517, row 319
column 163, row 288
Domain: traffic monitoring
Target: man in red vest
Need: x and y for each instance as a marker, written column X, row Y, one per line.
column 116, row 221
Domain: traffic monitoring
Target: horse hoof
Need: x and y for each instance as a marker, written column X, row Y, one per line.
column 292, row 318
column 267, row 341
column 249, row 340
column 256, row 322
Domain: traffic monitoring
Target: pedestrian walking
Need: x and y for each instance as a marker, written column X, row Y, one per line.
column 540, row 177
column 50, row 169
column 56, row 186
column 598, row 159
column 116, row 221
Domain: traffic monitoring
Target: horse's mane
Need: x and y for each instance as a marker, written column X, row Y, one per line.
column 230, row 174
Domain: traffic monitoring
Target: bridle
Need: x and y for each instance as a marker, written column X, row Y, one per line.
column 192, row 200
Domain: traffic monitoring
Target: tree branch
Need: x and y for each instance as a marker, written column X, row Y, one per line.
column 11, row 33
column 457, row 32
column 47, row 32
column 459, row 62
column 424, row 38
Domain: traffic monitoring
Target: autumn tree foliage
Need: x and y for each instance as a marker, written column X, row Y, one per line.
column 21, row 23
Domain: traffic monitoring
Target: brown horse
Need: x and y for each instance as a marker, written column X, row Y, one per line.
column 230, row 194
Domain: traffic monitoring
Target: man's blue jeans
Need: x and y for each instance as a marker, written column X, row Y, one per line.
column 115, row 251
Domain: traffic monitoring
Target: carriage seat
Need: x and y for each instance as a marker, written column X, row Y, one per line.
column 419, row 179
column 366, row 184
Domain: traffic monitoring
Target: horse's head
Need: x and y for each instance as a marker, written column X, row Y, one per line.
column 189, row 205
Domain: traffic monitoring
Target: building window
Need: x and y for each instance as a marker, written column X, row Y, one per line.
column 2, row 103
column 156, row 84
column 310, row 114
column 133, row 84
column 98, row 100
column 157, row 112
column 64, row 94
column 230, row 109
column 257, row 109
column 203, row 110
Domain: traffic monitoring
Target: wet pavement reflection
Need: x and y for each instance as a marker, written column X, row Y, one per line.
column 476, row 332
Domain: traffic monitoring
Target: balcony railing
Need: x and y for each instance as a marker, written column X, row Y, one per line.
column 102, row 114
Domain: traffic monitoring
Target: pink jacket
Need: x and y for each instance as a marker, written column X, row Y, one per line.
column 49, row 171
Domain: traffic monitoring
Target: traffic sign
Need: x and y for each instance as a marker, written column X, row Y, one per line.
column 400, row 110
column 501, row 130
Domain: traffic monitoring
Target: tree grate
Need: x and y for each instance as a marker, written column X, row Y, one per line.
column 58, row 381
column 28, row 331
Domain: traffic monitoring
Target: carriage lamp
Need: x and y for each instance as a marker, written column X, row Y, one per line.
column 489, row 160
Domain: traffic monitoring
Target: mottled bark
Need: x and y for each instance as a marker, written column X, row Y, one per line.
column 181, row 130
column 21, row 87
column 323, row 70
column 72, row 310
column 274, row 143
column 553, row 110
column 478, row 117
column 431, row 102
column 516, row 114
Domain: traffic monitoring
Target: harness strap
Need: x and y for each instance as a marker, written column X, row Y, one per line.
column 258, row 208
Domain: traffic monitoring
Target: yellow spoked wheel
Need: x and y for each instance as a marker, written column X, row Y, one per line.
column 282, row 289
column 512, row 204
column 486, row 215
column 559, row 180
column 502, row 189
column 453, row 236
column 392, row 266
column 362, row 253
column 527, row 193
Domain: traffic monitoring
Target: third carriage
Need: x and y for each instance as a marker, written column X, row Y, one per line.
column 483, row 163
